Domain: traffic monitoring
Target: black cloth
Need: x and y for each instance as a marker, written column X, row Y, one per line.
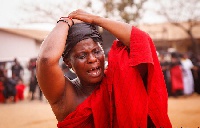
column 16, row 69
column 33, row 84
column 165, row 69
column 79, row 32
column 9, row 87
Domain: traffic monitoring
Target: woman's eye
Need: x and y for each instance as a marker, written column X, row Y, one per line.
column 97, row 51
column 82, row 56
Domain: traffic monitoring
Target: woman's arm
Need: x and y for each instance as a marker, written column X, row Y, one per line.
column 49, row 74
column 120, row 30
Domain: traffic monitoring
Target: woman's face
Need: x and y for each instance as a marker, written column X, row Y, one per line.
column 87, row 61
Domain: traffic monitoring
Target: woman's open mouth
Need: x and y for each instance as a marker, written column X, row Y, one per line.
column 94, row 72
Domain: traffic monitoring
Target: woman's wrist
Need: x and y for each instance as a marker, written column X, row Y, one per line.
column 66, row 20
column 98, row 20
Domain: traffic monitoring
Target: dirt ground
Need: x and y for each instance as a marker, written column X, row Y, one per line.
column 183, row 112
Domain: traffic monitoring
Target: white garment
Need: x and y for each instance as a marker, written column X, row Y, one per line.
column 188, row 80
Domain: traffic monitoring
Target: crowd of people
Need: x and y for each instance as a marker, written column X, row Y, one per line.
column 181, row 72
column 12, row 86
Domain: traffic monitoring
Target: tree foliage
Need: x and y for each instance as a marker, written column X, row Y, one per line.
column 49, row 12
column 128, row 10
column 178, row 11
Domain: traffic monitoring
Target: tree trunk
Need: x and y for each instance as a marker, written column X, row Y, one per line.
column 194, row 42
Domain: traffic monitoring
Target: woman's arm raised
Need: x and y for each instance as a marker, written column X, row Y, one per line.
column 120, row 30
column 49, row 74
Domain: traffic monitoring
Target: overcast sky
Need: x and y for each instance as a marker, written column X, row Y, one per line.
column 11, row 12
column 8, row 11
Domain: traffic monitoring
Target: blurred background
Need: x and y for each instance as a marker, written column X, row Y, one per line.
column 174, row 26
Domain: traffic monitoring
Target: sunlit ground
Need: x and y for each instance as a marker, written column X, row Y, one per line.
column 183, row 111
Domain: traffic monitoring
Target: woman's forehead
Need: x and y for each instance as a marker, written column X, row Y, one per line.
column 86, row 44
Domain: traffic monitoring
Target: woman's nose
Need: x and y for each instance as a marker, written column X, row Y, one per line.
column 92, row 58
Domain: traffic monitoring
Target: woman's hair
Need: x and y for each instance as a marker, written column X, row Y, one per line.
column 79, row 32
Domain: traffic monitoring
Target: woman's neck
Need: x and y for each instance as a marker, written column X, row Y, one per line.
column 84, row 89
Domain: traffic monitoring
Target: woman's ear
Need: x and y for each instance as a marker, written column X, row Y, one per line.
column 68, row 63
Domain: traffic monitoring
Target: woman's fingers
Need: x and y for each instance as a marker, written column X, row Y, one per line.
column 77, row 21
column 73, row 14
column 76, row 13
column 82, row 15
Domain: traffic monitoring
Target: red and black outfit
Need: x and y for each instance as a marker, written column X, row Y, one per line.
column 122, row 99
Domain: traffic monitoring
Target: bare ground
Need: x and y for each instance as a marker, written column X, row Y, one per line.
column 183, row 112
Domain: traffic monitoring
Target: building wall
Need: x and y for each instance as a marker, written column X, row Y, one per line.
column 20, row 47
column 12, row 46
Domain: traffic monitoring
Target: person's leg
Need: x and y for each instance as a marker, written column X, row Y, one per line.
column 40, row 93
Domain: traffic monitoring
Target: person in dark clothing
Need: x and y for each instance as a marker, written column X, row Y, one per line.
column 33, row 80
column 17, row 69
column 33, row 84
column 196, row 73
column 9, row 88
column 165, row 69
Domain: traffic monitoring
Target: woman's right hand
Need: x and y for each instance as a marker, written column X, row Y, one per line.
column 77, row 21
column 83, row 16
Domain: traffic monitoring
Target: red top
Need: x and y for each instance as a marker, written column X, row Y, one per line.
column 176, row 78
column 122, row 100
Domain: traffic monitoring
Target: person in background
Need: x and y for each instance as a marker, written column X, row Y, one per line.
column 176, row 75
column 128, row 93
column 2, row 79
column 195, row 58
column 20, row 90
column 10, row 88
column 17, row 69
column 165, row 69
column 188, row 80
column 33, row 83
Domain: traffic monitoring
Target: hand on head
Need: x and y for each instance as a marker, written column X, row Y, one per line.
column 77, row 21
column 82, row 15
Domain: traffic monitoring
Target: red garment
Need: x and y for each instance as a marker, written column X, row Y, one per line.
column 1, row 92
column 176, row 78
column 20, row 91
column 122, row 100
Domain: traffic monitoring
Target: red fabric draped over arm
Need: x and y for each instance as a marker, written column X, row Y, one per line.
column 132, row 103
